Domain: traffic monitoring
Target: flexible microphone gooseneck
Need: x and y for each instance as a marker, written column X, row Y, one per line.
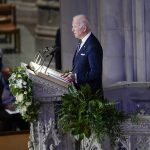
column 42, row 55
column 52, row 53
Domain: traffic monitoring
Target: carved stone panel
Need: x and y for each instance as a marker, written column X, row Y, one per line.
column 44, row 134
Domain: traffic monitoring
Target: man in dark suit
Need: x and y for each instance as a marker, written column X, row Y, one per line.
column 87, row 61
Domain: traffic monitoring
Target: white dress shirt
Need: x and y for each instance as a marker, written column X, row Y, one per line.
column 84, row 40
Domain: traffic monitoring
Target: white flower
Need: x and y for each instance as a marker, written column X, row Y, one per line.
column 19, row 83
column 23, row 110
column 24, row 83
column 19, row 97
column 15, row 86
column 19, row 75
column 28, row 103
column 25, row 92
column 22, row 87
column 13, row 76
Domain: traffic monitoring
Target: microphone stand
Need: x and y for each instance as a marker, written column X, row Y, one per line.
column 52, row 54
column 39, row 56
column 43, row 57
column 42, row 63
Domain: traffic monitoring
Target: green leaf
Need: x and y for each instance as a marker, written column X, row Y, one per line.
column 83, row 113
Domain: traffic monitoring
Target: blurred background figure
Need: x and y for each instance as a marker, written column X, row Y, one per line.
column 8, row 121
column 58, row 50
column 1, row 57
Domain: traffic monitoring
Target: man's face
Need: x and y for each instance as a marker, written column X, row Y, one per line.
column 77, row 29
column 6, row 72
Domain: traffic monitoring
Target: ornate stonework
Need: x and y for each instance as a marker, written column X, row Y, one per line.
column 91, row 144
column 44, row 134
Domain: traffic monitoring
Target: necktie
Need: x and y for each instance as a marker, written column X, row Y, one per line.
column 76, row 53
column 78, row 46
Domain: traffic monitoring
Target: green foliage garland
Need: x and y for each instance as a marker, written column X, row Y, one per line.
column 21, row 87
column 83, row 113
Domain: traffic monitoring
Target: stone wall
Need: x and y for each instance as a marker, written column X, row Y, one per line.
column 123, row 30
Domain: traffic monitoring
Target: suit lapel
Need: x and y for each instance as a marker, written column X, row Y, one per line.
column 82, row 50
column 77, row 56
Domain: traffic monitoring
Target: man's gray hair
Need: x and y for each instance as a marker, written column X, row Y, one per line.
column 83, row 20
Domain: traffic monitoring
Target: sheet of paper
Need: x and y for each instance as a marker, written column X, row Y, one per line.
column 57, row 77
column 12, row 112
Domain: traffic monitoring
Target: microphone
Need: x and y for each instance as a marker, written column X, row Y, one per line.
column 54, row 50
column 43, row 51
column 46, row 49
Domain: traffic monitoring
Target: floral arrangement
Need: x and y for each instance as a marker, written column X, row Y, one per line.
column 21, row 88
column 83, row 114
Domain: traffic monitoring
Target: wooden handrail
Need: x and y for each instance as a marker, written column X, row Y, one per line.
column 14, row 132
column 8, row 11
column 8, row 25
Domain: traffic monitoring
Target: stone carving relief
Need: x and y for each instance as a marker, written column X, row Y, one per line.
column 141, row 105
column 123, row 144
column 43, row 133
column 33, row 139
column 43, row 137
column 43, row 87
column 143, row 125
column 138, row 137
column 142, row 142
column 90, row 144
column 50, row 137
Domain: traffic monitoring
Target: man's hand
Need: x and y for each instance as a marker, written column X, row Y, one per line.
column 70, row 78
column 64, row 75
column 10, row 107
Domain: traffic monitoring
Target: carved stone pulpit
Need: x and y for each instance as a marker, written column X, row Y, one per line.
column 44, row 133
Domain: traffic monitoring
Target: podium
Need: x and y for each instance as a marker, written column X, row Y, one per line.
column 47, row 89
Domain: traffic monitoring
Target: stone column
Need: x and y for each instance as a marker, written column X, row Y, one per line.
column 139, row 39
column 128, row 39
column 112, row 40
column 147, row 38
column 26, row 11
column 48, row 23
